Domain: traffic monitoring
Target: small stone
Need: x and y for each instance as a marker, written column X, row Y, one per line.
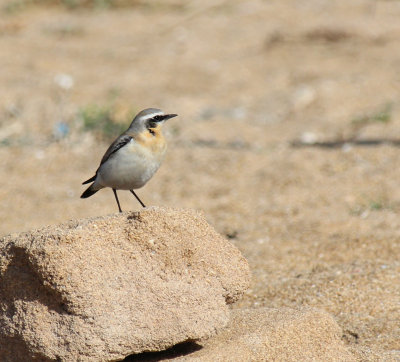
column 64, row 81
column 309, row 138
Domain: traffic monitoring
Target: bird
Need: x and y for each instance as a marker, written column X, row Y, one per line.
column 133, row 158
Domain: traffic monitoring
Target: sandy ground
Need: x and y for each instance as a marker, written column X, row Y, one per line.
column 287, row 136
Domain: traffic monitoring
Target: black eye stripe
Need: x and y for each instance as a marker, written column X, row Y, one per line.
column 157, row 118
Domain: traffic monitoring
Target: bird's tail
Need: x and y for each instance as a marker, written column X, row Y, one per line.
column 90, row 180
column 89, row 192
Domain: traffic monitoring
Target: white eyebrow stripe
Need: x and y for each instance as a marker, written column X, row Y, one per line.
column 145, row 118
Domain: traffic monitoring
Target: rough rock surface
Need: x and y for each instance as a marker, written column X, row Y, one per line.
column 277, row 335
column 104, row 288
column 266, row 334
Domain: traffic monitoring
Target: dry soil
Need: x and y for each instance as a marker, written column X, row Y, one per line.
column 287, row 136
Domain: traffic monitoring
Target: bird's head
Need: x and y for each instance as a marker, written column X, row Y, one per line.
column 149, row 119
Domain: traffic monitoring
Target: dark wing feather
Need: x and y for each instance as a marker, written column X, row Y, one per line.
column 115, row 146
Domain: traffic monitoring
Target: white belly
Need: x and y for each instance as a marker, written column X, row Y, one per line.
column 129, row 168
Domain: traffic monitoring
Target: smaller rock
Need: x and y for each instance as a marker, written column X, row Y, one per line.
column 275, row 335
column 309, row 138
column 303, row 97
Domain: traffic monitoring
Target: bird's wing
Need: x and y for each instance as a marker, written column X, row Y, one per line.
column 120, row 142
column 115, row 146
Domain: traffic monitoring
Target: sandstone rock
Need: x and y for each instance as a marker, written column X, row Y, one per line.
column 277, row 335
column 104, row 288
column 267, row 335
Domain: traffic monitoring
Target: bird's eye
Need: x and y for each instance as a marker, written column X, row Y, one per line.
column 152, row 125
column 157, row 118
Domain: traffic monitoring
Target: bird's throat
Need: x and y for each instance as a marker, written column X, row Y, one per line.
column 153, row 140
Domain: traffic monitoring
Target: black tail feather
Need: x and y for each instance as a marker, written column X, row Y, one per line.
column 90, row 180
column 88, row 192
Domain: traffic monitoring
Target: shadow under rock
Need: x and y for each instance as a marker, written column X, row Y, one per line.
column 372, row 142
column 179, row 350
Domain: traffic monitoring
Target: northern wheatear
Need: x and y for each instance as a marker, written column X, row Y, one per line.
column 134, row 157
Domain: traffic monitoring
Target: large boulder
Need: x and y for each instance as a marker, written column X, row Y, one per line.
column 107, row 287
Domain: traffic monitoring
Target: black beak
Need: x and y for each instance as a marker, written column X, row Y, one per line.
column 168, row 116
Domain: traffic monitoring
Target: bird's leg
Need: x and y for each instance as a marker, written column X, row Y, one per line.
column 141, row 203
column 116, row 198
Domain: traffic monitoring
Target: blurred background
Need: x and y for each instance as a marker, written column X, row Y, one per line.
column 287, row 135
